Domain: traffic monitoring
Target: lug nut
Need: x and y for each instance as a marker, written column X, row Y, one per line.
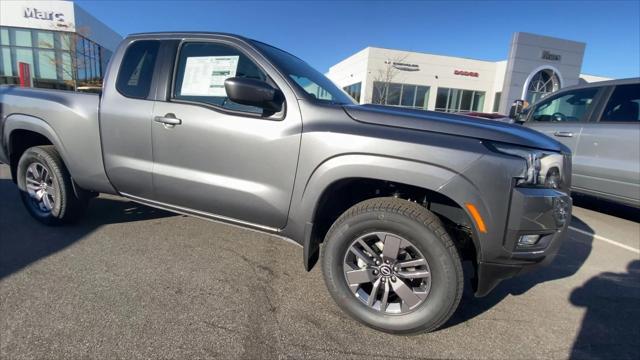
column 377, row 262
column 375, row 272
column 386, row 261
column 393, row 278
column 395, row 268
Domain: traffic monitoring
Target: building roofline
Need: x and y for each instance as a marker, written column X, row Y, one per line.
column 426, row 53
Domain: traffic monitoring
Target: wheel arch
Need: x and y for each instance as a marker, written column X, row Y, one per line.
column 342, row 182
column 24, row 131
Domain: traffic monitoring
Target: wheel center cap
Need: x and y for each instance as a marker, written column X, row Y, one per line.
column 385, row 270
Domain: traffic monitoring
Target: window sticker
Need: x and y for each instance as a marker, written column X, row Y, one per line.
column 205, row 75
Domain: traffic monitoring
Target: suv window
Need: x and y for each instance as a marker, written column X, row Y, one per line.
column 570, row 107
column 136, row 69
column 624, row 104
column 202, row 70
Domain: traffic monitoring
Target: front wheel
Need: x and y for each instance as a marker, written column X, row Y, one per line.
column 46, row 188
column 390, row 264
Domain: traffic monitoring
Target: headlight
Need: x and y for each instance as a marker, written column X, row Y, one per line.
column 544, row 168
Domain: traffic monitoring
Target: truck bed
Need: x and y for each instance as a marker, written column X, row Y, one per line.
column 69, row 120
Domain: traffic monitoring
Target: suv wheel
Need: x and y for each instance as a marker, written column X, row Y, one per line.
column 46, row 188
column 390, row 264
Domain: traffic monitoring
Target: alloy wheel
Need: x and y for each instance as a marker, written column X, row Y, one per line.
column 40, row 187
column 387, row 273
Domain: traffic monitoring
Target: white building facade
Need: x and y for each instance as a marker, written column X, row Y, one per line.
column 537, row 65
column 60, row 42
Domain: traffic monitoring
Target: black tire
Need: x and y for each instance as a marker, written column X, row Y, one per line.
column 425, row 232
column 67, row 207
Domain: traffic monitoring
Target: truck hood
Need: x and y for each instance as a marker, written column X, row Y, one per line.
column 453, row 124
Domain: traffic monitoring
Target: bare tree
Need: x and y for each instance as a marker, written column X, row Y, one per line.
column 79, row 60
column 384, row 77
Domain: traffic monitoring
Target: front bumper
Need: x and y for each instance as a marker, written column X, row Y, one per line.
column 545, row 213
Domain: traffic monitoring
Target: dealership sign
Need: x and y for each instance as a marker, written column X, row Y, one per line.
column 548, row 55
column 466, row 73
column 46, row 15
column 34, row 13
column 404, row 66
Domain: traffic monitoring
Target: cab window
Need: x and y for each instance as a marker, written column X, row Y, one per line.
column 202, row 70
column 624, row 104
column 136, row 69
column 570, row 107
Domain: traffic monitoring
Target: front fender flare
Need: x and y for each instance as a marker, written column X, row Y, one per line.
column 420, row 174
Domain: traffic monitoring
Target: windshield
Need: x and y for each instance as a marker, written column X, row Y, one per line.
column 307, row 78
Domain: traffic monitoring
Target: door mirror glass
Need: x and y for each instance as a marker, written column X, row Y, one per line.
column 253, row 92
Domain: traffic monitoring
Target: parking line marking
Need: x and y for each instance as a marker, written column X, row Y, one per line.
column 626, row 247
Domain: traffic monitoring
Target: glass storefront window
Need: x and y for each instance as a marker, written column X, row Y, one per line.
column 4, row 36
column 45, row 39
column 65, row 41
column 23, row 38
column 354, row 91
column 25, row 56
column 54, row 57
column 466, row 98
column 405, row 95
column 67, row 66
column 478, row 101
column 47, row 64
column 408, row 95
column 441, row 99
column 458, row 100
column 393, row 94
column 422, row 95
column 496, row 102
column 6, row 68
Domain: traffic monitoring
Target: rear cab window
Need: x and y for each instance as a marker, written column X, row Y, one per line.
column 623, row 105
column 136, row 69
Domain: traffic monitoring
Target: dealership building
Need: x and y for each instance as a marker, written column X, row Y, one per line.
column 536, row 66
column 60, row 43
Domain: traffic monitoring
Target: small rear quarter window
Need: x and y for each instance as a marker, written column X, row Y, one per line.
column 136, row 69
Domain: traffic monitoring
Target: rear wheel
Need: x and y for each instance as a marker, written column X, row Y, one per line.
column 46, row 188
column 390, row 264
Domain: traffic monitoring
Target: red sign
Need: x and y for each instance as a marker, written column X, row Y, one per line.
column 466, row 73
column 25, row 74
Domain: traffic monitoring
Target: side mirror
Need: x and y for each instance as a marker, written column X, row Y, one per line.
column 254, row 92
column 522, row 117
column 516, row 109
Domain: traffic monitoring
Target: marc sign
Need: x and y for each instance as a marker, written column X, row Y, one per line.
column 34, row 13
column 466, row 73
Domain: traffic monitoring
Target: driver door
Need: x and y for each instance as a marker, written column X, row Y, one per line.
column 218, row 158
column 562, row 117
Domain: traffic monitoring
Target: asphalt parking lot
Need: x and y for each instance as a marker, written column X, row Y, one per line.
column 134, row 282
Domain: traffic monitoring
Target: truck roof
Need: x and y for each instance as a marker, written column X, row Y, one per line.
column 184, row 33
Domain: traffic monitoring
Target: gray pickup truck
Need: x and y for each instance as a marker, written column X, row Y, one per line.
column 231, row 129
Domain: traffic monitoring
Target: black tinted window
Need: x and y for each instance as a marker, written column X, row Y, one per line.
column 136, row 69
column 570, row 107
column 624, row 104
column 202, row 70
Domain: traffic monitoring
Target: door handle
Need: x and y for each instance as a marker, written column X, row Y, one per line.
column 563, row 134
column 168, row 119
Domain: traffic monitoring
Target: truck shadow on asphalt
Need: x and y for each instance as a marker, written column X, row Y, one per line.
column 610, row 326
column 24, row 241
